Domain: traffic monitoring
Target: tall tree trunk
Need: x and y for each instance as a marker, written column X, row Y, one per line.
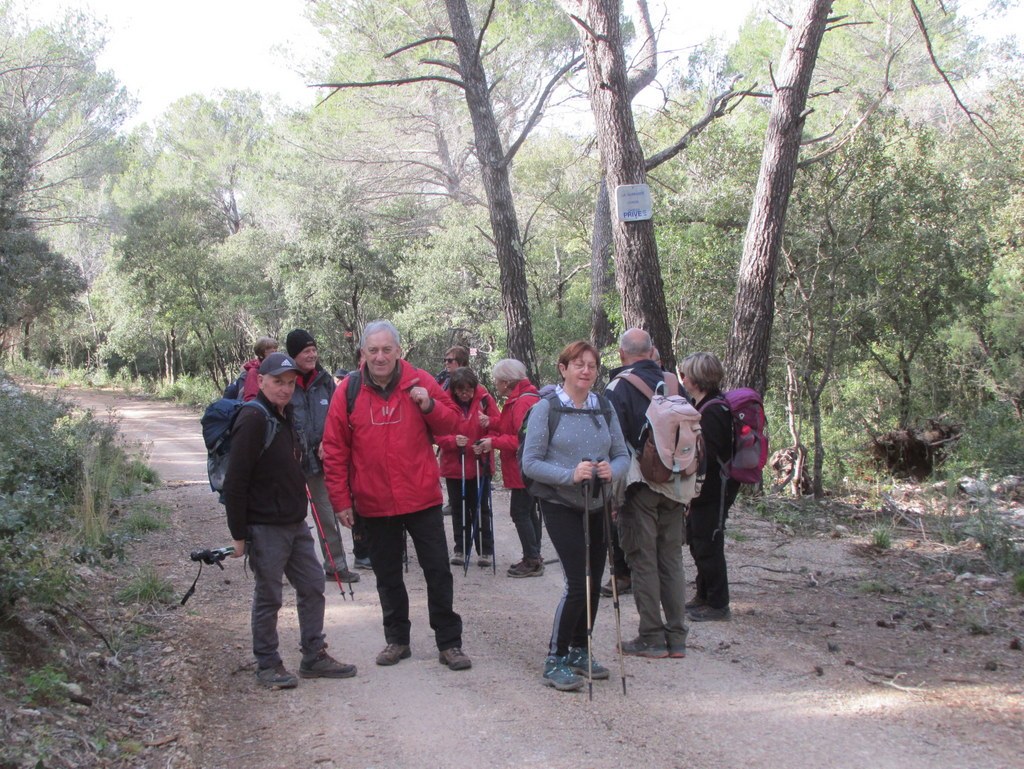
column 754, row 305
column 637, row 271
column 602, row 276
column 504, row 222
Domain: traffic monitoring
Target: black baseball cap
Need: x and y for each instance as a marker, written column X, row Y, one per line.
column 277, row 363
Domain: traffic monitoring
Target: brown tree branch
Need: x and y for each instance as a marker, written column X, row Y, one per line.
column 335, row 87
column 972, row 116
column 718, row 107
column 538, row 108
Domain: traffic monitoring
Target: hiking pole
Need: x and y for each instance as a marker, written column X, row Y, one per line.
column 478, row 532
column 607, row 504
column 587, row 484
column 465, row 537
column 327, row 548
column 488, row 479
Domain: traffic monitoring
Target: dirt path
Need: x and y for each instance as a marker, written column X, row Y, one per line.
column 812, row 671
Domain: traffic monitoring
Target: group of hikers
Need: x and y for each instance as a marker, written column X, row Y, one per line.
column 360, row 450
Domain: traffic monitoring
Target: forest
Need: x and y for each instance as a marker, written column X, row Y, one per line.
column 837, row 208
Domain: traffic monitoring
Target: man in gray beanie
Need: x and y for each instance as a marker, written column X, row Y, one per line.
column 314, row 389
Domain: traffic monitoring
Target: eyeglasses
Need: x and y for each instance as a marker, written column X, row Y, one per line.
column 449, row 360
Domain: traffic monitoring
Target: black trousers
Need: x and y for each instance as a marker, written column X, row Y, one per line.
column 387, row 540
column 565, row 527
column 707, row 547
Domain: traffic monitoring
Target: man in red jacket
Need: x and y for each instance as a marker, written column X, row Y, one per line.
column 381, row 457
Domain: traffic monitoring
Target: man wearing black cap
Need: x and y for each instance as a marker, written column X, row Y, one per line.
column 265, row 500
column 313, row 391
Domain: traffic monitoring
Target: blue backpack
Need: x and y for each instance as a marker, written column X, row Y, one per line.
column 218, row 421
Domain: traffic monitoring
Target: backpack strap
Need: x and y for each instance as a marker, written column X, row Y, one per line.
column 353, row 384
column 271, row 423
column 556, row 409
column 668, row 386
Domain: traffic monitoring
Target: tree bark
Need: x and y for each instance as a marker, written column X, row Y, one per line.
column 749, row 344
column 602, row 274
column 637, row 271
column 494, row 166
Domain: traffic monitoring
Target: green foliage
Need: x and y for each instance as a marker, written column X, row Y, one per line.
column 147, row 587
column 46, row 686
column 881, row 538
column 991, row 442
column 59, row 471
column 1018, row 582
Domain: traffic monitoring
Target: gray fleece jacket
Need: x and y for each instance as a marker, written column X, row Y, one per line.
column 550, row 459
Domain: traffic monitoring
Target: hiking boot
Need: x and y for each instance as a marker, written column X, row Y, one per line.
column 708, row 614
column 528, row 567
column 363, row 563
column 323, row 665
column 624, row 585
column 454, row 658
column 343, row 574
column 697, row 601
column 576, row 661
column 392, row 653
column 638, row 647
column 276, row 677
column 558, row 675
column 677, row 651
column 484, row 561
column 457, row 559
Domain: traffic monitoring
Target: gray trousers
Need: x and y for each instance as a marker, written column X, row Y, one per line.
column 277, row 551
column 331, row 537
column 651, row 533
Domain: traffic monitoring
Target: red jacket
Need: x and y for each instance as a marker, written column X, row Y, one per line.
column 505, row 434
column 469, row 425
column 251, row 385
column 382, row 456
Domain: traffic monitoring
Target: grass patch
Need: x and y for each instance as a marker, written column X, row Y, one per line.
column 143, row 519
column 877, row 587
column 45, row 686
column 881, row 537
column 147, row 587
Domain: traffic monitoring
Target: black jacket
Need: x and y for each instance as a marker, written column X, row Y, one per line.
column 716, row 426
column 631, row 404
column 264, row 487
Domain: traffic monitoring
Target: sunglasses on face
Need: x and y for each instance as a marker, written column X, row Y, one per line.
column 449, row 360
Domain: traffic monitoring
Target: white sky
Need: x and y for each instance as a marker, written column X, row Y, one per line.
column 162, row 51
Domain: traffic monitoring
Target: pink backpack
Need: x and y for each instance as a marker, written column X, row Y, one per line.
column 674, row 448
column 750, row 436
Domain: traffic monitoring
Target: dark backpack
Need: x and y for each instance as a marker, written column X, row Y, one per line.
column 749, row 434
column 555, row 412
column 234, row 390
column 218, row 421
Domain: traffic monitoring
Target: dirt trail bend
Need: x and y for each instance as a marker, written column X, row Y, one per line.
column 776, row 687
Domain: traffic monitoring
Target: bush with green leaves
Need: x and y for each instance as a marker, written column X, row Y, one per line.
column 59, row 470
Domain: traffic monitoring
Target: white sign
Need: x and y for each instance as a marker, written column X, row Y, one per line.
column 633, row 202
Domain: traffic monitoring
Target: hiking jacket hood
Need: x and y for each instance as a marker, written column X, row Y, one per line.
column 250, row 380
column 263, row 487
column 381, row 456
column 505, row 435
column 469, row 425
column 310, row 403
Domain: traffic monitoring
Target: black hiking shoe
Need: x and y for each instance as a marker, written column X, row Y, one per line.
column 708, row 614
column 528, row 567
column 323, row 665
column 638, row 647
column 624, row 585
column 392, row 653
column 345, row 575
column 276, row 677
column 454, row 658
